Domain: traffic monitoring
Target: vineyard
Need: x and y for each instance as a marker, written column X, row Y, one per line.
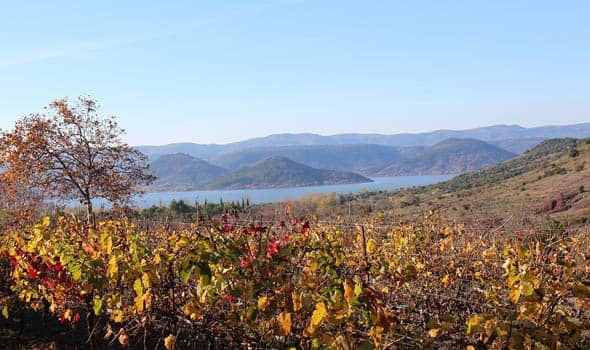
column 296, row 283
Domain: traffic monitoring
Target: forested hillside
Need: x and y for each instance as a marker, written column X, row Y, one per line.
column 281, row 172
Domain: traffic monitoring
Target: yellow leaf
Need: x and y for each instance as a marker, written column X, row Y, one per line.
column 262, row 301
column 376, row 333
column 113, row 267
column 317, row 317
column 148, row 300
column 349, row 291
column 296, row 298
column 137, row 287
column 513, row 279
column 318, row 314
column 474, row 324
column 145, row 279
column 68, row 314
column 138, row 303
column 169, row 342
column 445, row 281
column 285, row 323
column 109, row 331
column 489, row 253
column 117, row 316
column 106, row 243
column 371, row 246
column 433, row 333
column 203, row 297
column 514, row 295
column 191, row 310
column 5, row 311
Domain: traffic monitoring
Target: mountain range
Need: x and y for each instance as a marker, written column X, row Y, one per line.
column 292, row 166
column 358, row 158
column 513, row 138
column 288, row 160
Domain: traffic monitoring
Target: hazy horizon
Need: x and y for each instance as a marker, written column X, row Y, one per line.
column 362, row 133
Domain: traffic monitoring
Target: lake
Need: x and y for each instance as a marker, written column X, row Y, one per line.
column 283, row 194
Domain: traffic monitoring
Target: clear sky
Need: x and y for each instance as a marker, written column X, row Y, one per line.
column 221, row 71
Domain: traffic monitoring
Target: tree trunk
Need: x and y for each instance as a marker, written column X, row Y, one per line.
column 89, row 212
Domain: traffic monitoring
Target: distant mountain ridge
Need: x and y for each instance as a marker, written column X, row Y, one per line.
column 182, row 172
column 185, row 166
column 452, row 156
column 358, row 158
column 317, row 165
column 496, row 134
column 275, row 172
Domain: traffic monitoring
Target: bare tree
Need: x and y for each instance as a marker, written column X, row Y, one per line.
column 72, row 152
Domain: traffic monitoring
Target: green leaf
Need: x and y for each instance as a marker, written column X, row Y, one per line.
column 76, row 271
column 65, row 259
column 185, row 274
column 527, row 289
column 524, row 253
column 366, row 345
column 137, row 287
column 97, row 305
column 358, row 290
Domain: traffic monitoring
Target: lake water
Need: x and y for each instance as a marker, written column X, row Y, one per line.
column 283, row 194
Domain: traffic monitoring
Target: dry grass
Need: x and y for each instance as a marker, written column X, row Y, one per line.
column 555, row 190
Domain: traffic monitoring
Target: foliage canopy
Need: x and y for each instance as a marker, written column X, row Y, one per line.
column 71, row 151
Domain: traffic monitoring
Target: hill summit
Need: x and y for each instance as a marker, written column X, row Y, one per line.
column 182, row 172
column 451, row 156
column 275, row 172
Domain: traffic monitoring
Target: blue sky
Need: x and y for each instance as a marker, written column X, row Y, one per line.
column 222, row 71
